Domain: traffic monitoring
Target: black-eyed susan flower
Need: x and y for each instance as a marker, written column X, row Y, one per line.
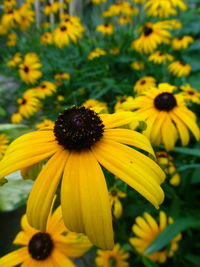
column 26, row 17
column 160, row 58
column 105, row 29
column 16, row 118
column 128, row 10
column 116, row 257
column 153, row 34
column 15, row 60
column 113, row 10
column 124, row 103
column 45, row 89
column 164, row 113
column 46, row 38
column 12, row 39
column 97, row 52
column 144, row 84
column 9, row 18
column 116, row 206
column 137, row 65
column 53, row 7
column 175, row 24
column 9, row 4
column 28, row 104
column 160, row 8
column 96, row 105
column 179, row 68
column 80, row 141
column 4, row 140
column 190, row 94
column 114, row 51
column 51, row 247
column 29, row 69
column 166, row 162
column 146, row 230
column 124, row 20
column 45, row 124
column 182, row 42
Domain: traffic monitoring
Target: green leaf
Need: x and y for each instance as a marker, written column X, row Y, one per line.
column 14, row 193
column 3, row 181
column 2, row 112
column 148, row 263
column 6, row 127
column 186, row 167
column 171, row 232
column 188, row 151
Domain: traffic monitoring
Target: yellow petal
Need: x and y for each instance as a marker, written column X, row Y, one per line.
column 60, row 260
column 119, row 160
column 163, row 220
column 14, row 258
column 118, row 119
column 43, row 191
column 152, row 222
column 169, row 139
column 84, row 198
column 129, row 137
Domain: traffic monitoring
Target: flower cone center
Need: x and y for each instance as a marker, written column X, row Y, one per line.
column 165, row 101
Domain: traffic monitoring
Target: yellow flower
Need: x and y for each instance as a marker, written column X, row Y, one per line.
column 29, row 69
column 80, row 141
column 45, row 89
column 146, row 230
column 60, row 98
column 116, row 205
column 105, row 29
column 190, row 94
column 9, row 18
column 62, row 76
column 116, row 257
column 46, row 38
column 124, row 103
column 53, row 7
column 166, row 162
column 9, row 4
column 113, row 10
column 124, row 20
column 179, row 68
column 182, row 42
column 164, row 113
column 4, row 140
column 175, row 24
column 160, row 58
column 97, row 52
column 97, row 2
column 144, row 84
column 66, row 32
column 137, row 65
column 26, row 17
column 97, row 106
column 153, row 34
column 12, row 39
column 28, row 104
column 3, row 29
column 114, row 51
column 16, row 118
column 45, row 124
column 13, row 62
column 51, row 247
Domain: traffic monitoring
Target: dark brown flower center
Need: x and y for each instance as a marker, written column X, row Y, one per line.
column 190, row 92
column 40, row 246
column 23, row 102
column 147, row 31
column 78, row 128
column 114, row 192
column 26, row 69
column 43, row 86
column 63, row 28
column 182, row 63
column 165, row 101
column 142, row 82
column 112, row 261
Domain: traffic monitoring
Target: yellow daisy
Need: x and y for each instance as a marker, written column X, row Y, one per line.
column 12, row 39
column 124, row 103
column 114, row 51
column 4, row 140
column 166, row 162
column 124, row 20
column 96, row 105
column 190, row 94
column 78, row 143
column 15, row 60
column 9, row 18
column 8, row 4
column 45, row 124
column 182, row 42
column 26, row 17
column 146, row 230
column 16, row 118
column 137, row 65
column 144, row 84
column 97, row 52
column 105, row 29
column 28, row 104
column 46, row 38
column 29, row 69
column 51, row 247
column 179, row 68
column 116, row 206
column 116, row 257
column 160, row 58
column 153, row 34
column 160, row 8
column 164, row 113
column 45, row 89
